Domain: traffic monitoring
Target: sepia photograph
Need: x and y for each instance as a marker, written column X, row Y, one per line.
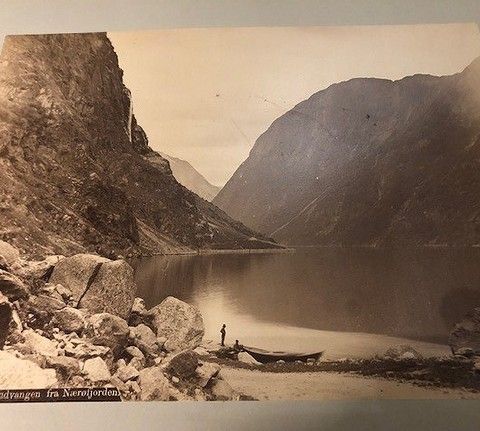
column 241, row 214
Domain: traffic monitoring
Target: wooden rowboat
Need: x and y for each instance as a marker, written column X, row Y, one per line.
column 266, row 356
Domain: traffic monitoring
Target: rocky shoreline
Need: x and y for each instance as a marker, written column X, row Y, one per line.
column 75, row 322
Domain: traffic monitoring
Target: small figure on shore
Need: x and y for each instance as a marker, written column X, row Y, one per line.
column 237, row 347
column 223, row 332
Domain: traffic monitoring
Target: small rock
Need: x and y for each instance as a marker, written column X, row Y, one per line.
column 10, row 254
column 4, row 264
column 161, row 342
column 64, row 365
column 5, row 319
column 465, row 351
column 205, row 372
column 64, row 292
column 119, row 384
column 398, row 351
column 83, row 351
column 127, row 373
column 38, row 344
column 466, row 334
column 221, row 390
column 44, row 304
column 183, row 364
column 175, row 379
column 136, row 357
column 121, row 363
column 134, row 386
column 49, row 290
column 145, row 340
column 40, row 269
column 154, row 385
column 69, row 319
column 96, row 370
column 76, row 382
column 139, row 306
column 407, row 356
column 201, row 351
column 12, row 287
column 108, row 330
column 247, row 358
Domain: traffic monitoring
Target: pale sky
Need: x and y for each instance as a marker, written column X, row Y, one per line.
column 205, row 95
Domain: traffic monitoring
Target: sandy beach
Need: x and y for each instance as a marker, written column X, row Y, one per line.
column 331, row 386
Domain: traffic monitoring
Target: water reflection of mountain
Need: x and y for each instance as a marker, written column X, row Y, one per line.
column 415, row 293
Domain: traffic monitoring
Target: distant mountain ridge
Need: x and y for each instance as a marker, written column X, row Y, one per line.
column 368, row 162
column 189, row 177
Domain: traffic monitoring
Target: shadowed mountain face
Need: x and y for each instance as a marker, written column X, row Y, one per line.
column 189, row 177
column 76, row 172
column 368, row 162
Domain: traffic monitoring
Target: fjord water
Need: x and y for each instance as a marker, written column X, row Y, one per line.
column 349, row 301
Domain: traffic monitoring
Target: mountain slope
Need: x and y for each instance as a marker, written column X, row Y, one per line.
column 189, row 177
column 368, row 162
column 76, row 172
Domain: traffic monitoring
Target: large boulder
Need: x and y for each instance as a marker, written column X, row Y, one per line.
column 75, row 272
column 180, row 323
column 12, row 287
column 10, row 254
column 145, row 339
column 5, row 318
column 113, row 290
column 154, row 385
column 183, row 364
column 466, row 334
column 106, row 329
column 23, row 374
column 69, row 319
column 97, row 284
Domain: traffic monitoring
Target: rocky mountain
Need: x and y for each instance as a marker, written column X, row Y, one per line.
column 189, row 177
column 76, row 171
column 368, row 162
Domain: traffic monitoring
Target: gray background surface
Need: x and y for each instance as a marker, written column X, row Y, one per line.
column 51, row 16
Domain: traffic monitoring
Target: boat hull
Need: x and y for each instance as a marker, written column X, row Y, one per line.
column 265, row 357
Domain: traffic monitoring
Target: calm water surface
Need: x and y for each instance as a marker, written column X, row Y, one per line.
column 283, row 300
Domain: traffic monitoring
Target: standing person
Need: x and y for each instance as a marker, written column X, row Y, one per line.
column 223, row 332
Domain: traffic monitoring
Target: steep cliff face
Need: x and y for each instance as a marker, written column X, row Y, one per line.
column 368, row 162
column 189, row 177
column 76, row 171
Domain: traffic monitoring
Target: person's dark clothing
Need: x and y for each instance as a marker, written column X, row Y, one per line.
column 223, row 332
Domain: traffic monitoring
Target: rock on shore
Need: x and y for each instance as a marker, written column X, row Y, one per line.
column 73, row 328
column 97, row 284
column 180, row 323
column 466, row 334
